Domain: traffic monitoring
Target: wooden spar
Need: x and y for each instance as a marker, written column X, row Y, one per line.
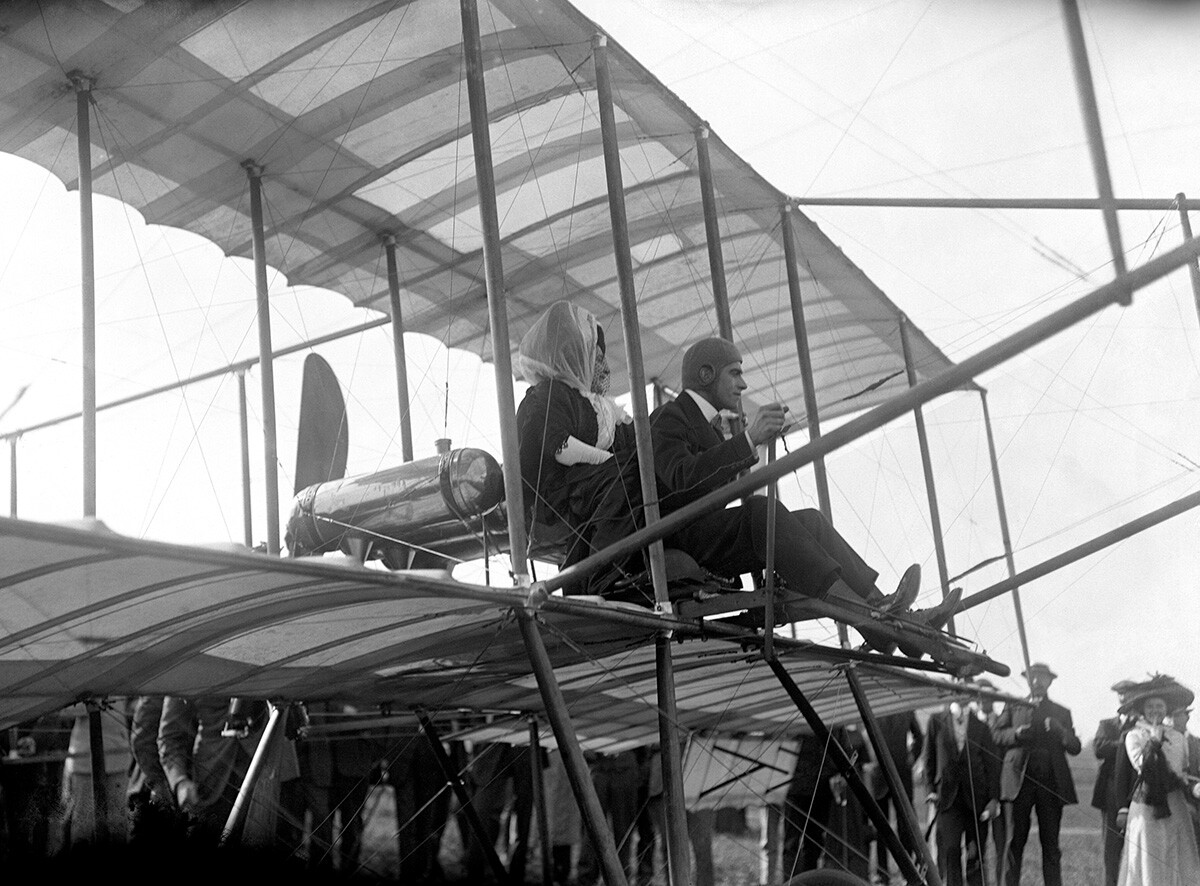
column 955, row 377
column 1095, row 136
column 239, row 366
column 883, row 827
column 267, row 367
column 12, row 477
column 273, row 733
column 464, row 799
column 83, row 97
column 1160, row 204
column 904, row 808
column 1193, row 265
column 244, row 434
column 1005, row 538
column 578, row 775
column 712, row 231
column 800, row 330
column 99, row 770
column 393, row 276
column 768, row 649
column 935, row 517
column 678, row 858
column 1133, row 527
column 494, row 274
column 540, row 804
column 811, row 409
column 629, row 322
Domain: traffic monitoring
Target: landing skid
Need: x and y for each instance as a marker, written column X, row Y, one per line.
column 943, row 648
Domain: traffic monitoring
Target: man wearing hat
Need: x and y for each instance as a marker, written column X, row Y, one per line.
column 695, row 453
column 1191, row 770
column 1109, row 745
column 1036, row 739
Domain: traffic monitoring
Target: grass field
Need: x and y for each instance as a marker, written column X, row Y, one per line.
column 736, row 856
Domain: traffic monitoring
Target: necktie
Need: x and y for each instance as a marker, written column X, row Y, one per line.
column 718, row 425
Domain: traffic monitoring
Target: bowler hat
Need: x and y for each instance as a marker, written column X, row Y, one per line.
column 1163, row 686
column 1040, row 667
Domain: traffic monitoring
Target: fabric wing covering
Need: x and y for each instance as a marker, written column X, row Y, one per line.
column 357, row 114
column 89, row 613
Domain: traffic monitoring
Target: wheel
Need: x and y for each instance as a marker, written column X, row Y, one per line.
column 825, row 877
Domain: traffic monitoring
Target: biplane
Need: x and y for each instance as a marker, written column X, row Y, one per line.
column 455, row 168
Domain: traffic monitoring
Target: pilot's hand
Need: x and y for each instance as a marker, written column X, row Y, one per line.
column 187, row 795
column 768, row 423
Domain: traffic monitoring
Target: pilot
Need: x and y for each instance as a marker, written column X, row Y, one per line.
column 692, row 458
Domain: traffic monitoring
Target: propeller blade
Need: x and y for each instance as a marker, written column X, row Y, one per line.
column 324, row 438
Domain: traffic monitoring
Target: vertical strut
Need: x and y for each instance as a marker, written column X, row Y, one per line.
column 935, row 518
column 677, row 841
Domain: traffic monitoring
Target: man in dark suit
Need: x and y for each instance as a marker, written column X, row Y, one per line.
column 693, row 458
column 896, row 730
column 1108, row 744
column 962, row 773
column 1036, row 739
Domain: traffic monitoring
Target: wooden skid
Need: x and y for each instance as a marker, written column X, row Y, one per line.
column 943, row 648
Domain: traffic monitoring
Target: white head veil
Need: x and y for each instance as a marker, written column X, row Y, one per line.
column 561, row 346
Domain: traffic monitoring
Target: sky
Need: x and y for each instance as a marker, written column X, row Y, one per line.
column 900, row 98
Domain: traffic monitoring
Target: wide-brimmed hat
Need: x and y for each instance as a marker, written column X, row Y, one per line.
column 1122, row 688
column 1039, row 667
column 1163, row 686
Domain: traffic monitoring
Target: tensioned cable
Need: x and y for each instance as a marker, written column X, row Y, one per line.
column 184, row 400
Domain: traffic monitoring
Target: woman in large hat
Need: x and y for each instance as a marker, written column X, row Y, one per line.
column 1160, row 846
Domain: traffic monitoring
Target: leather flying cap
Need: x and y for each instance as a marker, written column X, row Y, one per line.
column 714, row 353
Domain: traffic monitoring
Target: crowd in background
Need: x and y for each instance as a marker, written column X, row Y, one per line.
column 173, row 769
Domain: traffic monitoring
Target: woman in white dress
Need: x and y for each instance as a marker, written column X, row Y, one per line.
column 1160, row 846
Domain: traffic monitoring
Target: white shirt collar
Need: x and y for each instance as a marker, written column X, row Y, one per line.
column 706, row 408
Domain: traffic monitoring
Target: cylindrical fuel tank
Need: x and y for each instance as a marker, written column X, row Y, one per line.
column 418, row 503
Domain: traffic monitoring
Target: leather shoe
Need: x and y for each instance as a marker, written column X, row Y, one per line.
column 906, row 592
column 936, row 616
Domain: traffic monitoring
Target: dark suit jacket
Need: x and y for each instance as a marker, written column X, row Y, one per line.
column 1016, row 756
column 690, row 457
column 1109, row 746
column 974, row 770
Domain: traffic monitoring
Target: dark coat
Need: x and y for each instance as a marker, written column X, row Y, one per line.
column 690, row 458
column 1109, row 747
column 598, row 504
column 974, row 770
column 1036, row 737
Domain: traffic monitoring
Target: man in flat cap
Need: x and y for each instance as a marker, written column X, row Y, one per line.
column 1108, row 744
column 694, row 456
column 1036, row 739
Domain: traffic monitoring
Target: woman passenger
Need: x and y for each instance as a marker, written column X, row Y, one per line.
column 578, row 460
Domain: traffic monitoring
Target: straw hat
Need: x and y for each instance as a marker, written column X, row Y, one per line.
column 1161, row 686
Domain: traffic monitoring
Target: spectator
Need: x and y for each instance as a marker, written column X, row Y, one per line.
column 1109, row 746
column 1036, row 739
column 962, row 771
